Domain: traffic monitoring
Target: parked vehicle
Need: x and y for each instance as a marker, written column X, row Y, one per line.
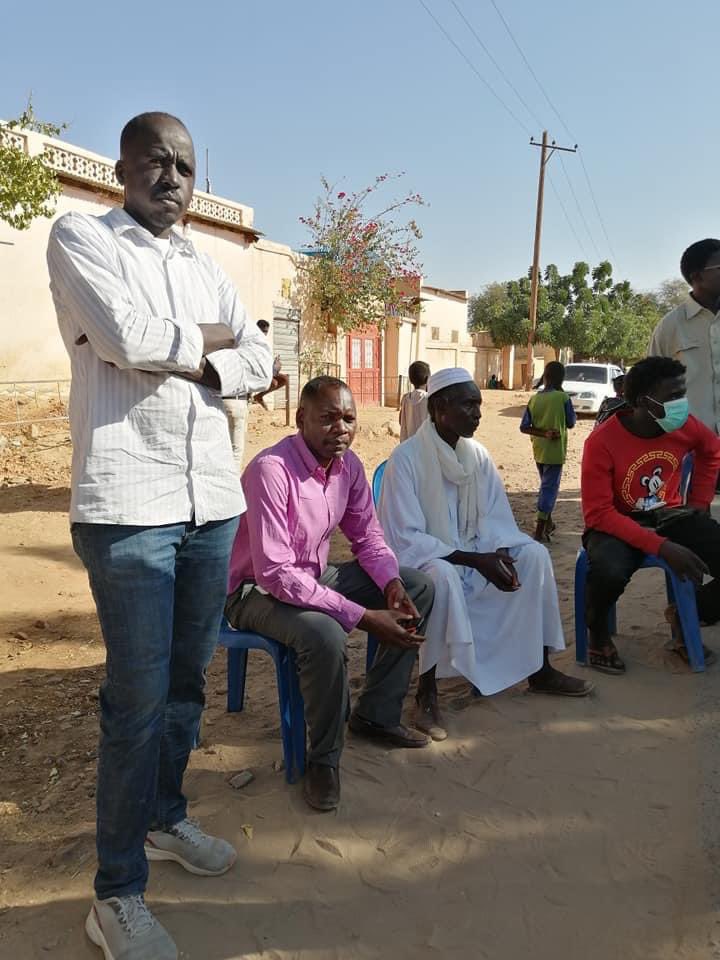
column 588, row 384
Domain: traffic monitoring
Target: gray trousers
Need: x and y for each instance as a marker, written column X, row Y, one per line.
column 319, row 642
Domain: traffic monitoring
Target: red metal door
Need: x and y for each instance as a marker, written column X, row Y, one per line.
column 363, row 365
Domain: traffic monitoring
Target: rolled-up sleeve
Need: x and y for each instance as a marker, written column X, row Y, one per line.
column 91, row 294
column 274, row 561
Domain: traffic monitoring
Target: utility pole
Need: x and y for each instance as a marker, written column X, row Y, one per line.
column 208, row 187
column 547, row 150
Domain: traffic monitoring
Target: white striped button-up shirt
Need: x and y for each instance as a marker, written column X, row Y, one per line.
column 149, row 447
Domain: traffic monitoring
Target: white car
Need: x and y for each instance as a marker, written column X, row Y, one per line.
column 588, row 384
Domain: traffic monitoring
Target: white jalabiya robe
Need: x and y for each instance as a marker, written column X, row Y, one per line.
column 494, row 639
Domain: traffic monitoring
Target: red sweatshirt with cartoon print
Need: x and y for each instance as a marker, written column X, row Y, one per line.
column 623, row 474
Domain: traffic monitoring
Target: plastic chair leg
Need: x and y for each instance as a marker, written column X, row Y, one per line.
column 581, row 634
column 581, row 641
column 285, row 715
column 687, row 611
column 237, row 670
column 297, row 716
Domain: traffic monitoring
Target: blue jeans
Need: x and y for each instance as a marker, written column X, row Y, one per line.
column 550, row 474
column 159, row 594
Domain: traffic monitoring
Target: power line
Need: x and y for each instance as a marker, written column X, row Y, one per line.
column 564, row 125
column 597, row 208
column 559, row 199
column 497, row 97
column 474, row 69
column 534, row 115
column 497, row 66
column 508, row 109
column 579, row 242
column 532, row 72
column 579, row 208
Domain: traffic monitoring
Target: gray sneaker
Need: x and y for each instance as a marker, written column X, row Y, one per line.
column 124, row 929
column 186, row 844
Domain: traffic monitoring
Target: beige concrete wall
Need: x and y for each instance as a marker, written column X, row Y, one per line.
column 439, row 357
column 446, row 313
column 488, row 361
column 542, row 355
column 30, row 345
column 453, row 346
column 406, row 346
column 263, row 272
column 400, row 346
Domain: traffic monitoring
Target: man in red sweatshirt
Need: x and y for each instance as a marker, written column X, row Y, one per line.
column 632, row 502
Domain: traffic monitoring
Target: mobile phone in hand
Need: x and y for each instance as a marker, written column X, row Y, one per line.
column 510, row 572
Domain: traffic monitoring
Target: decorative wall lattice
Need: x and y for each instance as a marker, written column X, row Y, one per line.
column 80, row 167
column 74, row 165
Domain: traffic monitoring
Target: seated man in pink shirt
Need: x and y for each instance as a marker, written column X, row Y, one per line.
column 281, row 585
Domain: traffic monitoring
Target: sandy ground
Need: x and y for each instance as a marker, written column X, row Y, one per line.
column 543, row 829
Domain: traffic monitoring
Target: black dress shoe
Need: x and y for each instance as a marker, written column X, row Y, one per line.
column 321, row 786
column 399, row 736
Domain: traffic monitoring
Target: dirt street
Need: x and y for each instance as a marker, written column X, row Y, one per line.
column 541, row 828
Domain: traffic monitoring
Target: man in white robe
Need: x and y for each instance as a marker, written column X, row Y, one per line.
column 444, row 511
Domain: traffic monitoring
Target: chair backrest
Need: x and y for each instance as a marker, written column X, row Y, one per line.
column 686, row 475
column 377, row 481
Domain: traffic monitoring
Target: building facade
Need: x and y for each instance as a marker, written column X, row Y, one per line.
column 263, row 271
column 374, row 361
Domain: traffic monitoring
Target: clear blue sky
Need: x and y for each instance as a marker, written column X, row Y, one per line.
column 282, row 92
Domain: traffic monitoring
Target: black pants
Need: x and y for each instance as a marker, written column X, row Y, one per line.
column 612, row 562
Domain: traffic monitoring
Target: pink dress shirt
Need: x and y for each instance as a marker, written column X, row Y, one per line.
column 294, row 506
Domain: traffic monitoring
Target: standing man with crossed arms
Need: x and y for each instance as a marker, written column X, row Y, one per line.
column 156, row 333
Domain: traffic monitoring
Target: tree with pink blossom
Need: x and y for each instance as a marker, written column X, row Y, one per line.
column 361, row 266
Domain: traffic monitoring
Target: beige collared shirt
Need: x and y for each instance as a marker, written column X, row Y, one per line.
column 691, row 334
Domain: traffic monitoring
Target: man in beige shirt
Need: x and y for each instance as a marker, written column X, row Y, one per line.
column 691, row 332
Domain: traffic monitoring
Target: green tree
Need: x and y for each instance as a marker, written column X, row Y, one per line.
column 670, row 294
column 565, row 308
column 585, row 311
column 28, row 187
column 487, row 311
column 628, row 321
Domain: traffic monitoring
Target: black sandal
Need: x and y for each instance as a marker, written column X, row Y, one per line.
column 606, row 662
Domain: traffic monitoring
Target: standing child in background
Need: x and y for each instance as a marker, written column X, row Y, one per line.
column 547, row 418
column 413, row 406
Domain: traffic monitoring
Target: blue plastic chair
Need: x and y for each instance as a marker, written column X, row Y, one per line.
column 377, row 481
column 679, row 592
column 292, row 708
column 686, row 470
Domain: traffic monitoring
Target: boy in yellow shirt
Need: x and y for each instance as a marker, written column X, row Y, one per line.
column 547, row 418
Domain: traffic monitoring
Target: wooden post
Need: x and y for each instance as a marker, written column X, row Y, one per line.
column 534, row 277
column 547, row 150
